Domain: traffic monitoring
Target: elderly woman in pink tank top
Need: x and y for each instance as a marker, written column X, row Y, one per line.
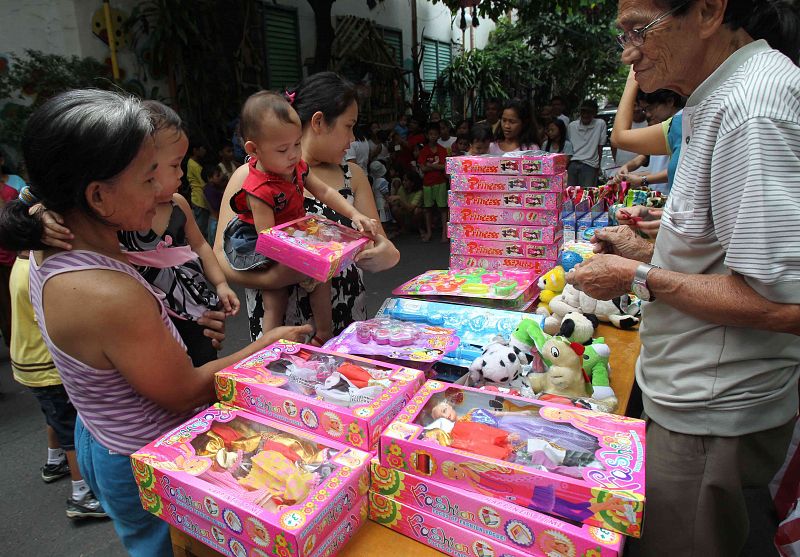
column 91, row 158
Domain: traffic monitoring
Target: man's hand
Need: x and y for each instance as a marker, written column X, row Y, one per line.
column 603, row 277
column 622, row 241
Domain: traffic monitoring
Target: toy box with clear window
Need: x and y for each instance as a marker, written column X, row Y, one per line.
column 506, row 200
column 484, row 248
column 346, row 398
column 536, row 266
column 526, row 163
column 490, row 215
column 500, row 233
column 315, row 246
column 246, row 478
column 499, row 182
column 494, row 519
column 577, row 464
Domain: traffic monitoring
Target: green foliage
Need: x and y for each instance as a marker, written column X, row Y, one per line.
column 40, row 76
column 564, row 47
column 472, row 76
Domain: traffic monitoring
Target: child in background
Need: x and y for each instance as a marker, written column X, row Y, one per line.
column 194, row 171
column 406, row 203
column 173, row 256
column 33, row 367
column 215, row 181
column 227, row 164
column 7, row 193
column 434, row 181
column 272, row 194
column 380, row 189
column 461, row 146
column 445, row 139
column 480, row 138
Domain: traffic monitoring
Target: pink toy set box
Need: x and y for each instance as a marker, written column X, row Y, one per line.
column 524, row 163
column 398, row 497
column 503, row 249
column 582, row 466
column 315, row 246
column 535, row 266
column 511, row 287
column 506, row 200
column 506, row 233
column 500, row 215
column 248, row 486
column 345, row 398
column 499, row 182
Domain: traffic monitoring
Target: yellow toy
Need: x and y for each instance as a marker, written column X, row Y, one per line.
column 550, row 285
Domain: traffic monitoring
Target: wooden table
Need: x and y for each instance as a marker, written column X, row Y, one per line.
column 374, row 540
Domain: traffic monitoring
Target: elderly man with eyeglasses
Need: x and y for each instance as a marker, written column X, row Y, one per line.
column 721, row 286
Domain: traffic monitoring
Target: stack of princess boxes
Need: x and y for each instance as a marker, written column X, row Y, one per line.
column 505, row 210
column 284, row 470
column 471, row 472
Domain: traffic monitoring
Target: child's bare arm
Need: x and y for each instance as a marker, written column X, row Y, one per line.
column 263, row 214
column 335, row 201
column 211, row 268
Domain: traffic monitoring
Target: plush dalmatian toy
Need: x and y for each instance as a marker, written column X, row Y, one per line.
column 501, row 365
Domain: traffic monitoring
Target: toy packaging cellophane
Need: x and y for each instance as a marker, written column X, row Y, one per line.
column 537, row 163
column 515, row 249
column 253, row 481
column 315, row 246
column 503, row 233
column 493, row 215
column 506, row 200
column 494, row 520
column 395, row 339
column 345, row 398
column 475, row 326
column 470, row 283
column 535, row 266
column 499, row 182
column 577, row 464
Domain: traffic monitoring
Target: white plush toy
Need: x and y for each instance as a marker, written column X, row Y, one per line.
column 622, row 312
column 502, row 364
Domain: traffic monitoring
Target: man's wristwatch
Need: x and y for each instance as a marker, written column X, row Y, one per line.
column 639, row 285
column 645, row 182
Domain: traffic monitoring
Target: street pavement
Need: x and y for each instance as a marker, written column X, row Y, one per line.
column 34, row 512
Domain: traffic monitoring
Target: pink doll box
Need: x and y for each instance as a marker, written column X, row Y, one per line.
column 527, row 163
column 483, row 248
column 500, row 233
column 487, row 215
column 506, row 200
column 315, row 246
column 241, row 472
column 302, row 386
column 495, row 519
column 252, row 540
column 581, row 465
column 500, row 183
column 535, row 266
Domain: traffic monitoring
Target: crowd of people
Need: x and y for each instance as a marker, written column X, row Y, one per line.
column 99, row 229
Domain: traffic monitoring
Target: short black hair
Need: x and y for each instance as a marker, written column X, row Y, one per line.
column 480, row 132
column 589, row 104
column 432, row 126
column 257, row 106
column 663, row 96
column 208, row 171
column 325, row 92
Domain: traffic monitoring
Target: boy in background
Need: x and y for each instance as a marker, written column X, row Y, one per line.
column 431, row 163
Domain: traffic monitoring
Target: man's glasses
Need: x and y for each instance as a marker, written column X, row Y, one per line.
column 635, row 37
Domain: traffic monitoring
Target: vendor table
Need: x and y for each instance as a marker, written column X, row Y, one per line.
column 375, row 540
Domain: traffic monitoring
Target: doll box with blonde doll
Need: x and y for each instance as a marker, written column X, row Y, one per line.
column 284, row 489
column 525, row 163
column 500, row 233
column 494, row 520
column 346, row 398
column 251, row 541
column 535, row 266
column 506, row 200
column 501, row 215
column 315, row 246
column 580, row 465
column 514, row 249
column 500, row 183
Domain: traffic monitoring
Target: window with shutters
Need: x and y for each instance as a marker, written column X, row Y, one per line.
column 282, row 45
column 436, row 56
column 394, row 39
